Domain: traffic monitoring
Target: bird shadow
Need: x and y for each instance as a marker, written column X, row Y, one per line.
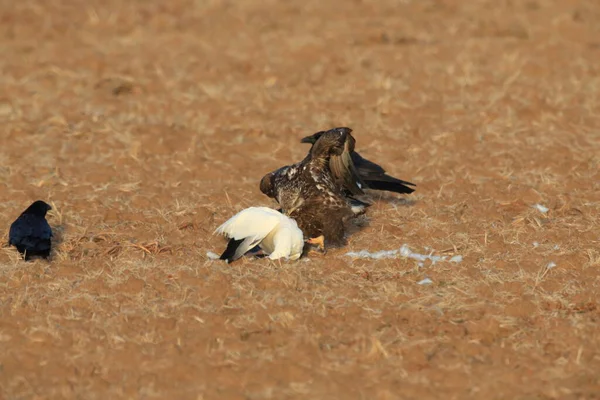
column 357, row 224
column 399, row 201
column 58, row 237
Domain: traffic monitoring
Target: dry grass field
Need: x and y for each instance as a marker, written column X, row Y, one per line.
column 146, row 124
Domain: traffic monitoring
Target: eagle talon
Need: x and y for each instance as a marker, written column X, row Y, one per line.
column 319, row 241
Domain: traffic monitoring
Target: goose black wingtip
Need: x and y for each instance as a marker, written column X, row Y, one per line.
column 229, row 252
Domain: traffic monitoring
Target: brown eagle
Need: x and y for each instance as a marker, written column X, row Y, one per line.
column 308, row 192
column 371, row 175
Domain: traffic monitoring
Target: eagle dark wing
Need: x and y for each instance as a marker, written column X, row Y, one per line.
column 370, row 175
column 374, row 176
column 343, row 168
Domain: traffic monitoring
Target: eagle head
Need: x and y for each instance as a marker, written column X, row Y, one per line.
column 312, row 139
column 266, row 185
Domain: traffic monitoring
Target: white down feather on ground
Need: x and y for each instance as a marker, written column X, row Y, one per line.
column 275, row 233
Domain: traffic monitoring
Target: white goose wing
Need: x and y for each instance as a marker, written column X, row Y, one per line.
column 247, row 229
column 253, row 221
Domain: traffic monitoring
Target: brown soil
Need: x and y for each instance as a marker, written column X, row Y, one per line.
column 147, row 124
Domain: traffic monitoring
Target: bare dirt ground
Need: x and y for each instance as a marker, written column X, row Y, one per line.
column 147, row 124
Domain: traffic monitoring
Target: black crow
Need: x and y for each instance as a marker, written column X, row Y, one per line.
column 30, row 233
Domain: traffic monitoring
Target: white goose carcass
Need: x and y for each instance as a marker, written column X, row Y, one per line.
column 275, row 233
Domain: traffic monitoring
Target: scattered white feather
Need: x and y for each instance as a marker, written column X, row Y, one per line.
column 425, row 281
column 376, row 255
column 406, row 252
column 275, row 233
column 357, row 209
column 541, row 208
column 551, row 265
column 212, row 256
column 554, row 247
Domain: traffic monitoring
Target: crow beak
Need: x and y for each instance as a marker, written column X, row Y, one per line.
column 307, row 139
